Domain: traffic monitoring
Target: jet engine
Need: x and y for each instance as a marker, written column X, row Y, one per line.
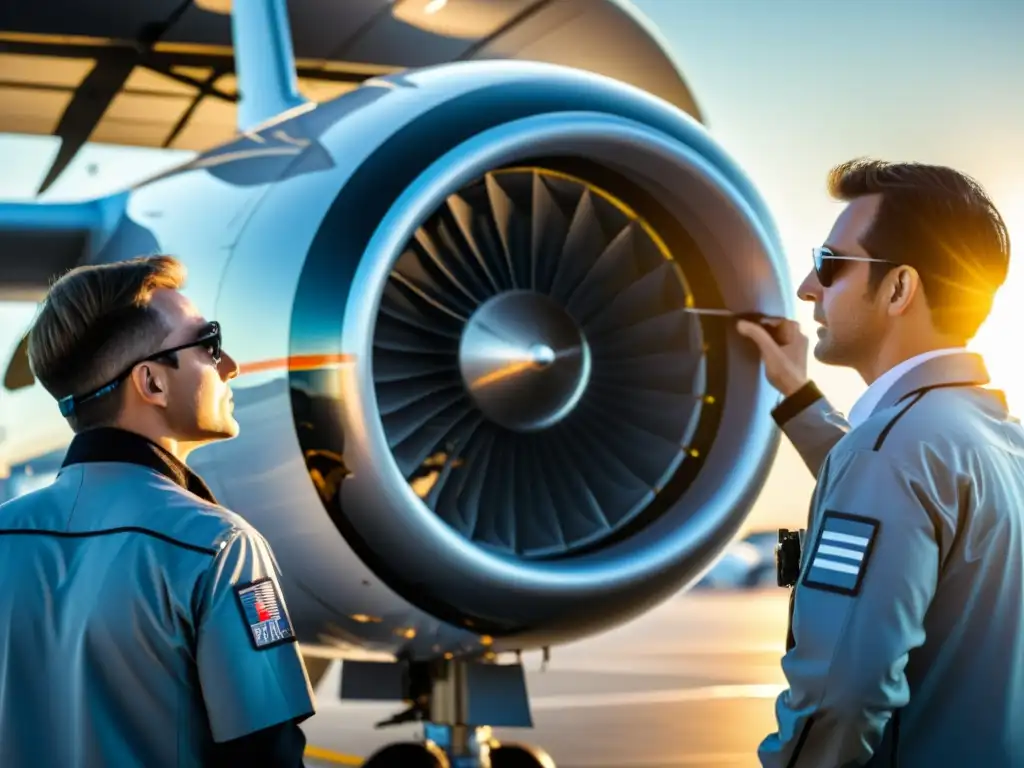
column 475, row 409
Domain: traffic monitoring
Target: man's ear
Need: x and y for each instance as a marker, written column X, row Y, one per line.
column 149, row 384
column 901, row 287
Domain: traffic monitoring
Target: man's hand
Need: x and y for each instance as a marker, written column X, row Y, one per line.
column 785, row 355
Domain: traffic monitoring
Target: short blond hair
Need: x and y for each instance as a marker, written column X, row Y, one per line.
column 95, row 321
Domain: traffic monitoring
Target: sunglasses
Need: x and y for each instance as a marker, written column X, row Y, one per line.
column 210, row 340
column 825, row 263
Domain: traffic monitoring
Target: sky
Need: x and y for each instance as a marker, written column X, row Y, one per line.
column 789, row 88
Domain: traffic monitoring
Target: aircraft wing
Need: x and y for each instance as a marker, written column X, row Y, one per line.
column 164, row 74
column 161, row 73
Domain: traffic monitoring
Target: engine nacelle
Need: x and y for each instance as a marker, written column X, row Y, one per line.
column 461, row 310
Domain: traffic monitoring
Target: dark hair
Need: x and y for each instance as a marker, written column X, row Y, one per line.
column 942, row 223
column 94, row 322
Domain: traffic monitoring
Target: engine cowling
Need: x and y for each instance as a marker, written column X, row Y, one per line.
column 495, row 396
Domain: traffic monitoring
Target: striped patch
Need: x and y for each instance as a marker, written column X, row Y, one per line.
column 264, row 612
column 840, row 556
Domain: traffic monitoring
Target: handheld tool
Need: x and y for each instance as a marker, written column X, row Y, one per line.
column 762, row 318
column 754, row 317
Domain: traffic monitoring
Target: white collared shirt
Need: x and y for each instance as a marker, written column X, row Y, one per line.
column 874, row 393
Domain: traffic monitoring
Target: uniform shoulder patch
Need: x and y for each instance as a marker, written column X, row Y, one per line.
column 265, row 613
column 840, row 556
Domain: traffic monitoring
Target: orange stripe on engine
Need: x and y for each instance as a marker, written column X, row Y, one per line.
column 294, row 363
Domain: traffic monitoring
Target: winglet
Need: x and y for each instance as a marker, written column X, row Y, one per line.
column 264, row 61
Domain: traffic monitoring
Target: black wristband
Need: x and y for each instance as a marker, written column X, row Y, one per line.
column 795, row 403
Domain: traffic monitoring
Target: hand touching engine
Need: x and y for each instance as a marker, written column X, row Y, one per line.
column 783, row 349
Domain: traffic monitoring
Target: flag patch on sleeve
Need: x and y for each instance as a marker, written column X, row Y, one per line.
column 265, row 614
column 841, row 553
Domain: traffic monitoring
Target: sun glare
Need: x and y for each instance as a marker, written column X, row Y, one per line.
column 1001, row 338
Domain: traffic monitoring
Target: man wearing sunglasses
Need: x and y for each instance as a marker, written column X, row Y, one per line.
column 906, row 642
column 142, row 623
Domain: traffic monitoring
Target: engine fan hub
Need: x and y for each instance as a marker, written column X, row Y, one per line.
column 524, row 360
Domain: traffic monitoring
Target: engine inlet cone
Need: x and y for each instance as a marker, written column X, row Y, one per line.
column 524, row 361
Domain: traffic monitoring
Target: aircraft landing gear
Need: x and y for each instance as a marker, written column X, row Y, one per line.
column 484, row 754
column 453, row 699
column 520, row 756
column 408, row 755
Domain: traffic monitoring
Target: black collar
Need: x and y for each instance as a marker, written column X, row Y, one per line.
column 120, row 445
